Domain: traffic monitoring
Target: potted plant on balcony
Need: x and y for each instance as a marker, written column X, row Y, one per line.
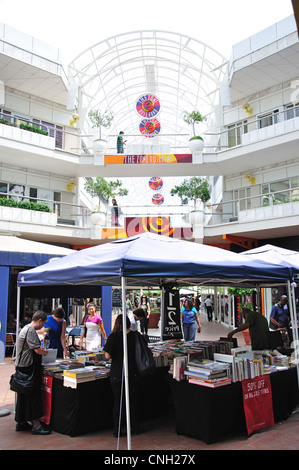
column 100, row 120
column 196, row 189
column 103, row 189
column 196, row 142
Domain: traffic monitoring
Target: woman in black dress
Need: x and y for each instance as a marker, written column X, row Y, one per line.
column 114, row 350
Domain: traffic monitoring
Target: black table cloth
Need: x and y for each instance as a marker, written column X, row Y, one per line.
column 207, row 414
column 89, row 407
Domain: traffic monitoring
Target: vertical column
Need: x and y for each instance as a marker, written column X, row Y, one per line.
column 4, row 282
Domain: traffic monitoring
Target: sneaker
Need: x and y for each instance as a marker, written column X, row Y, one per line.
column 40, row 430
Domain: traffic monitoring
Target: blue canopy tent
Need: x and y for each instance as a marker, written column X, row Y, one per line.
column 152, row 260
column 16, row 253
column 289, row 258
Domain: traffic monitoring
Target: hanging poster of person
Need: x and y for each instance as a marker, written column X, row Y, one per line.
column 17, row 192
column 257, row 400
column 171, row 324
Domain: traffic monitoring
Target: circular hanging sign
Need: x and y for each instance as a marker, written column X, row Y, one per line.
column 157, row 199
column 149, row 127
column 148, row 106
column 155, row 183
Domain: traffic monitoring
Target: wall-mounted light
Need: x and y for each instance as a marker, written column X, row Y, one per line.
column 250, row 178
column 70, row 186
column 248, row 109
column 74, row 119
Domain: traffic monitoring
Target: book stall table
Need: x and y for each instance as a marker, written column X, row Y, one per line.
column 88, row 408
column 208, row 414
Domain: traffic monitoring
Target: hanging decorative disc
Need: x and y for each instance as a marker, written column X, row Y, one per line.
column 155, row 183
column 157, row 199
column 149, row 128
column 148, row 106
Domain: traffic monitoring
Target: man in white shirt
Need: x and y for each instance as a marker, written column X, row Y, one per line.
column 134, row 317
column 208, row 303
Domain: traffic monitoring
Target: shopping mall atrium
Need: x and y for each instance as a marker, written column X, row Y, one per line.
column 146, row 82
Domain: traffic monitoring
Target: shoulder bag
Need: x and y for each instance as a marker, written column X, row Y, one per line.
column 144, row 357
column 21, row 382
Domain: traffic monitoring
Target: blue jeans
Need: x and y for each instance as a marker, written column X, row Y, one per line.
column 189, row 330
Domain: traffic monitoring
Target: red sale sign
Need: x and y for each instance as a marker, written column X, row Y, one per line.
column 46, row 398
column 257, row 400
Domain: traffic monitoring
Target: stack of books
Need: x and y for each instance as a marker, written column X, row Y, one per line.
column 178, row 367
column 208, row 373
column 71, row 378
column 70, row 364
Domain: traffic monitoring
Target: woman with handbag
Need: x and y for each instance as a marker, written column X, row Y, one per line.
column 114, row 350
column 28, row 361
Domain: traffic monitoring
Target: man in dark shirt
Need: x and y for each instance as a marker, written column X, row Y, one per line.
column 280, row 316
column 258, row 329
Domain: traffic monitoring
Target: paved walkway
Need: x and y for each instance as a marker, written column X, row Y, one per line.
column 157, row 435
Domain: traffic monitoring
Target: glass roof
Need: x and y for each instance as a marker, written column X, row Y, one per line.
column 183, row 73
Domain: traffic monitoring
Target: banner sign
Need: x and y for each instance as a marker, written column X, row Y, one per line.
column 46, row 398
column 121, row 159
column 159, row 225
column 150, row 128
column 257, row 400
column 171, row 325
column 148, row 106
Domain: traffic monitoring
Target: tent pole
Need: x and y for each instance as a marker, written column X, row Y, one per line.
column 18, row 309
column 123, row 287
column 292, row 308
column 162, row 312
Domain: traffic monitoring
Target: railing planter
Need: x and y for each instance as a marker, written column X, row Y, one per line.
column 99, row 146
column 98, row 218
column 15, row 214
column 196, row 144
column 196, row 217
column 25, row 136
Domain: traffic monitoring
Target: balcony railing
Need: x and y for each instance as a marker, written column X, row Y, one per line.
column 278, row 204
column 241, row 133
column 257, row 207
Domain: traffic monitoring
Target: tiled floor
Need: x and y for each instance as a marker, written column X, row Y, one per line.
column 158, row 434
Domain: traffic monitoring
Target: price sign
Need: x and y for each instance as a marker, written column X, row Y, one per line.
column 172, row 316
column 257, row 400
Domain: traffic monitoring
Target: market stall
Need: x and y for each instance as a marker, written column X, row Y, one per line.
column 153, row 260
column 208, row 414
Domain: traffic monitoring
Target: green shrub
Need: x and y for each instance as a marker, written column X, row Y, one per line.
column 27, row 127
column 30, row 205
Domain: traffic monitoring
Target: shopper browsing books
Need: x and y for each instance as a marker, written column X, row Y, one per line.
column 135, row 316
column 258, row 329
column 114, row 351
column 29, row 359
column 190, row 320
column 56, row 326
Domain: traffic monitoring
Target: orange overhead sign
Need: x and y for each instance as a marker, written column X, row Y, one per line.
column 121, row 159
